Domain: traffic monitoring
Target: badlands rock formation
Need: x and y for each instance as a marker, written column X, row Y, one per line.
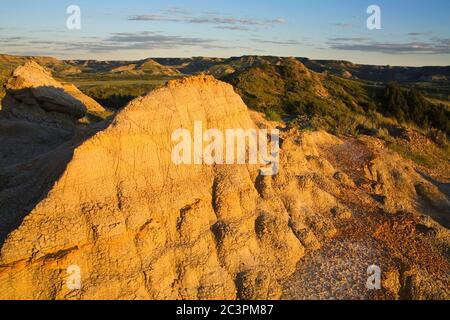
column 32, row 92
column 140, row 227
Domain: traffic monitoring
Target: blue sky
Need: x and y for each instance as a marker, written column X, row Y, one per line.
column 413, row 32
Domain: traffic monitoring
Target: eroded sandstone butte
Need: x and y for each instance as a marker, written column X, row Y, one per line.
column 141, row 227
column 34, row 94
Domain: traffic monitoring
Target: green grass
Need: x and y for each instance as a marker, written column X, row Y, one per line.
column 418, row 158
column 116, row 83
column 114, row 91
column 289, row 90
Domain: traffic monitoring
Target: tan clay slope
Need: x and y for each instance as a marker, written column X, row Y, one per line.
column 148, row 66
column 34, row 86
column 140, row 227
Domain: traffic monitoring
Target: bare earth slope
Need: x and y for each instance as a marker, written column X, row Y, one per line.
column 38, row 131
column 140, row 227
column 32, row 90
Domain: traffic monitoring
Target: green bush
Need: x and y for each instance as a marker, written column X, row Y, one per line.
column 409, row 105
column 273, row 115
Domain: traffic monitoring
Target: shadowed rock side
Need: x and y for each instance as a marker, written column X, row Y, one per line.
column 33, row 93
column 38, row 132
column 140, row 227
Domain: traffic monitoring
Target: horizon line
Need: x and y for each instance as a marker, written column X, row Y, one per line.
column 218, row 57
